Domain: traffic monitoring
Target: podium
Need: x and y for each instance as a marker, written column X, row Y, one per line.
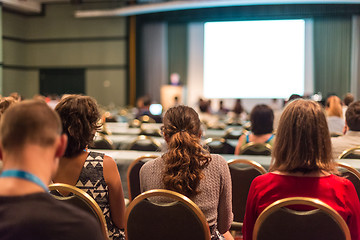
column 168, row 94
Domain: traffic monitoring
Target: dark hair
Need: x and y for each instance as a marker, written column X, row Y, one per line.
column 79, row 116
column 262, row 119
column 185, row 157
column 349, row 98
column 29, row 121
column 352, row 116
column 302, row 141
column 238, row 108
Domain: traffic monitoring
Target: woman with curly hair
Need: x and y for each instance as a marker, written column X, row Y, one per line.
column 189, row 169
column 93, row 172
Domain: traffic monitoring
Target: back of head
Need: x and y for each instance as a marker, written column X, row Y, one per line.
column 262, row 119
column 185, row 157
column 29, row 122
column 333, row 106
column 302, row 141
column 352, row 116
column 79, row 116
column 349, row 98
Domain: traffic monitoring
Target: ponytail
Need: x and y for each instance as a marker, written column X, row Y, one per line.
column 185, row 157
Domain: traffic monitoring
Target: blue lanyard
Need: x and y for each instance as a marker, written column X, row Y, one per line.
column 24, row 175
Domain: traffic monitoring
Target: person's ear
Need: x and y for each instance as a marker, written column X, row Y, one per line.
column 61, row 146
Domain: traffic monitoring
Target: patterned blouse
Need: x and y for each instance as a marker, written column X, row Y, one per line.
column 91, row 180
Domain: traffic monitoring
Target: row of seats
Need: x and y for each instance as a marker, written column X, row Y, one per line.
column 184, row 220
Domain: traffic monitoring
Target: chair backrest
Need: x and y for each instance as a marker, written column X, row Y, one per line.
column 335, row 134
column 321, row 222
column 144, row 143
column 146, row 119
column 351, row 174
column 233, row 133
column 219, row 146
column 133, row 178
column 81, row 199
column 163, row 215
column 242, row 173
column 351, row 153
column 149, row 131
column 256, row 149
column 103, row 143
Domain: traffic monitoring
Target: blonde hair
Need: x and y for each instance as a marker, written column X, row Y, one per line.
column 333, row 107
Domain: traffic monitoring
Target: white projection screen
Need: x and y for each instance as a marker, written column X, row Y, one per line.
column 254, row 59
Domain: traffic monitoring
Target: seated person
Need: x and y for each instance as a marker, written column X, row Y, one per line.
column 334, row 114
column 261, row 118
column 351, row 132
column 143, row 105
column 348, row 99
column 31, row 144
column 303, row 167
column 189, row 169
column 93, row 172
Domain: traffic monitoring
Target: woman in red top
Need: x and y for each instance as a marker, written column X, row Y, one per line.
column 303, row 166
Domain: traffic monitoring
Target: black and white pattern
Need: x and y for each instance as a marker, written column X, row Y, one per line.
column 91, row 180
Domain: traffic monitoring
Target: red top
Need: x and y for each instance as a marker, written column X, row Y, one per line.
column 337, row 192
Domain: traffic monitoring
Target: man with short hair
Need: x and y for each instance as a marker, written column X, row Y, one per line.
column 351, row 137
column 31, row 144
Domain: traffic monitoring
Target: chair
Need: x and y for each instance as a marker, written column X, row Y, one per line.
column 149, row 131
column 79, row 199
column 351, row 174
column 102, row 143
column 133, row 178
column 352, row 153
column 233, row 133
column 146, row 119
column 279, row 222
column 135, row 123
column 144, row 143
column 242, row 173
column 177, row 219
column 256, row 149
column 219, row 146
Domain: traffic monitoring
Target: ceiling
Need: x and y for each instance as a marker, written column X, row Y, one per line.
column 128, row 8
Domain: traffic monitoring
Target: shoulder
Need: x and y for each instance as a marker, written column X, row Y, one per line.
column 218, row 160
column 151, row 166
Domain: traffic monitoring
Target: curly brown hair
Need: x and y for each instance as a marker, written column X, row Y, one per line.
column 185, row 157
column 79, row 116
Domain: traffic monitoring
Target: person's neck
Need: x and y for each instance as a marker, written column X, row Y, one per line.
column 33, row 159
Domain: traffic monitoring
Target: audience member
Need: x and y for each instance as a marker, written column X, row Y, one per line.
column 189, row 169
column 5, row 103
column 222, row 109
column 143, row 105
column 348, row 99
column 94, row 172
column 303, row 167
column 334, row 114
column 261, row 118
column 31, row 144
column 351, row 132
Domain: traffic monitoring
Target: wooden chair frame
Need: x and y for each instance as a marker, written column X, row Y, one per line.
column 349, row 168
column 84, row 196
column 251, row 144
column 236, row 226
column 133, row 163
column 254, row 164
column 175, row 196
column 313, row 202
column 345, row 153
column 143, row 137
